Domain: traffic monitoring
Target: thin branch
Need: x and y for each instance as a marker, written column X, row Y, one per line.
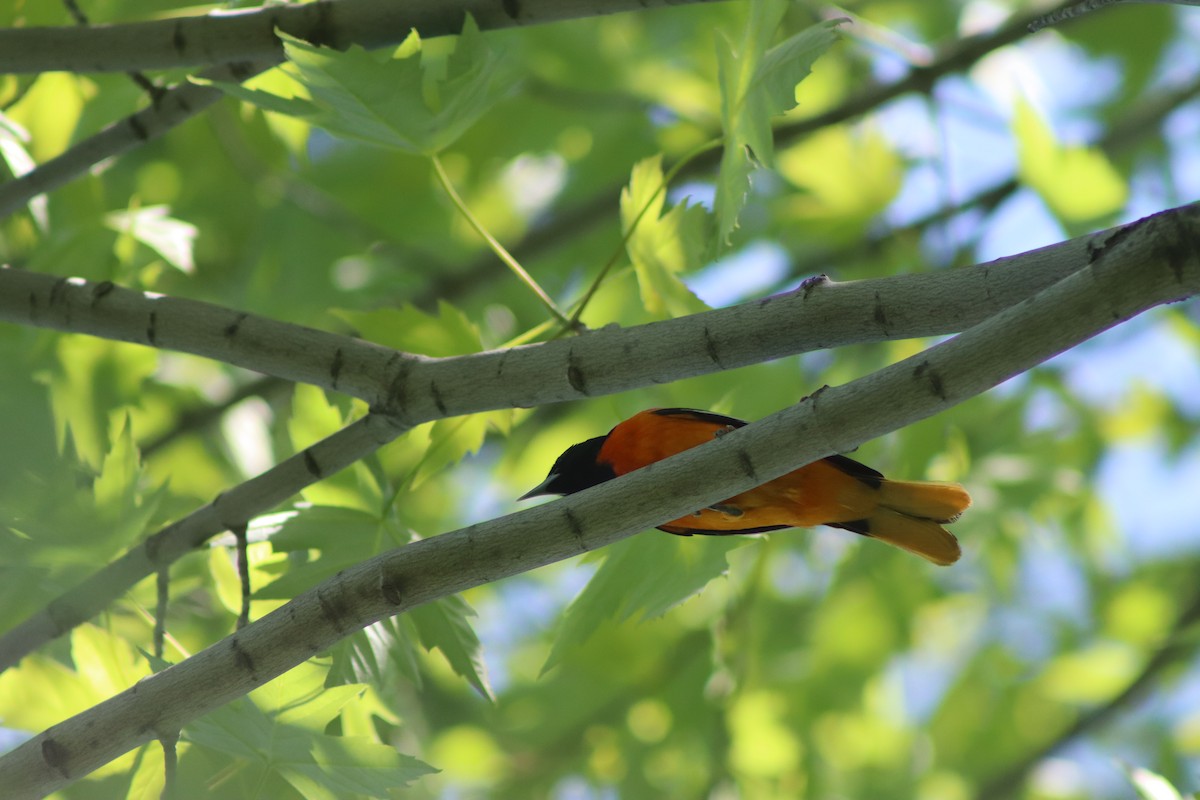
column 498, row 249
column 233, row 508
column 163, row 590
column 169, row 743
column 171, row 107
column 1078, row 9
column 1179, row 645
column 569, row 224
column 1133, row 269
column 243, row 571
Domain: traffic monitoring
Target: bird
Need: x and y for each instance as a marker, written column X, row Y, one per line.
column 836, row 491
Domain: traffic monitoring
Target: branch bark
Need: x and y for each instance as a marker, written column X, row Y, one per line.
column 231, row 509
column 250, row 34
column 417, row 389
column 241, row 45
column 603, row 362
column 1132, row 269
column 170, row 108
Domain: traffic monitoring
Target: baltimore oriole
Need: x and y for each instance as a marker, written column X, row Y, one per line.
column 835, row 491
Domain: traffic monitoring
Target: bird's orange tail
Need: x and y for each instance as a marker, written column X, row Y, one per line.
column 940, row 502
column 910, row 516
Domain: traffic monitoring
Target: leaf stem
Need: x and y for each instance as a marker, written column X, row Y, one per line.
column 699, row 150
column 498, row 248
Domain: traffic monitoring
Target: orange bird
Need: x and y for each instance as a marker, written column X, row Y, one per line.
column 835, row 491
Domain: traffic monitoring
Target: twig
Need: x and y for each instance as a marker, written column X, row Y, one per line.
column 1078, row 9
column 163, row 584
column 243, row 571
column 496, row 247
column 1176, row 647
column 242, row 503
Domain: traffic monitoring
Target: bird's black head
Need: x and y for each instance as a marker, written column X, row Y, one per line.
column 578, row 468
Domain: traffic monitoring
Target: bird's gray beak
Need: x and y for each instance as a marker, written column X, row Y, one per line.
column 540, row 489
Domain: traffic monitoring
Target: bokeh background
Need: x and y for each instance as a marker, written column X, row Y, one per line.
column 1055, row 661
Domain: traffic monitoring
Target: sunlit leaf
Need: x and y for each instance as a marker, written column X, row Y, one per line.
column 643, row 576
column 445, row 625
column 661, row 245
column 1151, row 785
column 756, row 85
column 1077, row 183
column 171, row 238
column 403, row 100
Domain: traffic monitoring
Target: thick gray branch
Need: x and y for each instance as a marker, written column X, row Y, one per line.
column 249, row 35
column 294, row 352
column 828, row 314
column 1132, row 269
column 416, row 389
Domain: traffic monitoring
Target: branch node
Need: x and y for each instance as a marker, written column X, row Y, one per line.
column 575, row 375
column 391, row 586
column 812, row 283
column 56, row 755
column 926, row 371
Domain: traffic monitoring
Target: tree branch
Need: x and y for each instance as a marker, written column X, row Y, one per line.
column 570, row 223
column 171, row 107
column 294, row 352
column 233, row 508
column 418, row 389
column 242, row 44
column 1132, row 269
column 250, row 34
column 1178, row 645
column 605, row 362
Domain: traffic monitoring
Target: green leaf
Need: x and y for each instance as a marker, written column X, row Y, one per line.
column 1078, row 183
column 445, row 625
column 366, row 655
column 643, row 575
column 757, row 84
column 661, row 245
column 93, row 378
column 105, row 665
column 280, row 726
column 406, row 100
column 1151, row 785
column 342, row 536
column 171, row 238
column 450, row 333
column 451, row 440
column 122, row 506
column 348, row 765
column 847, row 176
